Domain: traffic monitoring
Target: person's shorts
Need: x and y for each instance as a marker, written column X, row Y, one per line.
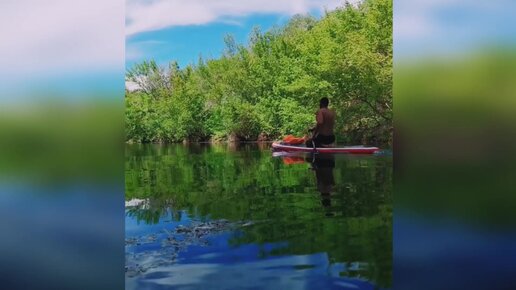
column 320, row 140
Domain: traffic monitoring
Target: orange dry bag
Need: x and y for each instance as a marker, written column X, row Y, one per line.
column 291, row 140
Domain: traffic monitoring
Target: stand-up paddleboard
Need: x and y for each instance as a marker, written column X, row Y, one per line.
column 278, row 146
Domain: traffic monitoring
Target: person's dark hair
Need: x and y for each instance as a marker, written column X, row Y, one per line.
column 323, row 103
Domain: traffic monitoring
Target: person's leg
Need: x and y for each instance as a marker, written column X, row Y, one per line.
column 313, row 142
column 317, row 141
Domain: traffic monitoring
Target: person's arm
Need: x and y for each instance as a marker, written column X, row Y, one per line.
column 319, row 118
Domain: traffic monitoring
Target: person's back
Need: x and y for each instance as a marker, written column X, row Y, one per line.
column 323, row 134
column 325, row 121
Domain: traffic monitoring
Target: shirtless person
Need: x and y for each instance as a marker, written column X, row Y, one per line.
column 323, row 131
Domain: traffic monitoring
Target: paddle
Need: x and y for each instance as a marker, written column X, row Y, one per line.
column 314, row 134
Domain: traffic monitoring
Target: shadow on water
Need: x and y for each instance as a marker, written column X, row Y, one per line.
column 236, row 211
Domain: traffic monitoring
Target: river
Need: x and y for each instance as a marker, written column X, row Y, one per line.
column 236, row 216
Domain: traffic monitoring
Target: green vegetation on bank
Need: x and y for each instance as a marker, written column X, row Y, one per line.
column 271, row 86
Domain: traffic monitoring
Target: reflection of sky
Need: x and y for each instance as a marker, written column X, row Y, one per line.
column 57, row 237
column 442, row 254
column 222, row 265
column 277, row 273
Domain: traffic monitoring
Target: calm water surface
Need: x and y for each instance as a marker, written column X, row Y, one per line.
column 236, row 217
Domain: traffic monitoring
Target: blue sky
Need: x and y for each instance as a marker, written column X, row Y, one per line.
column 166, row 30
column 186, row 43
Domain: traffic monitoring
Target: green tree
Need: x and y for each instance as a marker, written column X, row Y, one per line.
column 275, row 82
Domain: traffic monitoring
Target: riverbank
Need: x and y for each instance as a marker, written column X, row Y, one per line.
column 371, row 141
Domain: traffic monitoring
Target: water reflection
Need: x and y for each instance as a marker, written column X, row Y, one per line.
column 323, row 166
column 246, row 210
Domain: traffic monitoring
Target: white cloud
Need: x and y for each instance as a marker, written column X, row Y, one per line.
column 142, row 16
column 58, row 35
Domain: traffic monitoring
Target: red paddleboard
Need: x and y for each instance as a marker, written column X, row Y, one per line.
column 330, row 150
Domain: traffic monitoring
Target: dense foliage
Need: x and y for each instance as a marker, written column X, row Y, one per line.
column 272, row 86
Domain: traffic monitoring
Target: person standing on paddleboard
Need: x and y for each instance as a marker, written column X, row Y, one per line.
column 323, row 135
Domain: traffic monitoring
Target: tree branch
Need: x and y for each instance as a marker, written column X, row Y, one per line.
column 375, row 109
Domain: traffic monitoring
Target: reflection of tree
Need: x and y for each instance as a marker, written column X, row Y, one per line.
column 153, row 211
column 246, row 184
